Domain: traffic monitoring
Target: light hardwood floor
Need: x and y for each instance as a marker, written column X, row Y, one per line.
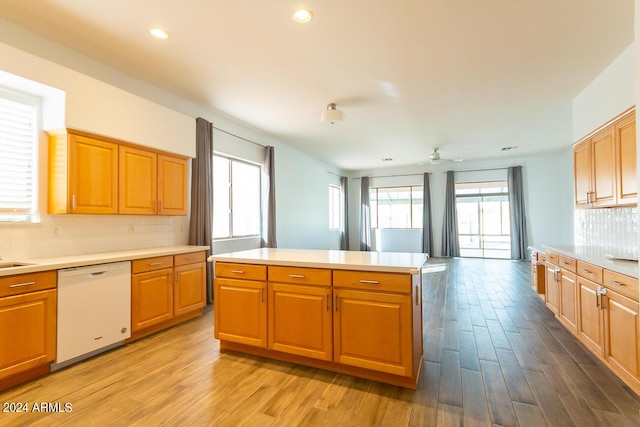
column 494, row 355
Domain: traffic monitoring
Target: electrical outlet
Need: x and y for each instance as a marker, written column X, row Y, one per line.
column 131, row 228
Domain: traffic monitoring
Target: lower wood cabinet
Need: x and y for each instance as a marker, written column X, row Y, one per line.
column 241, row 311
column 552, row 291
column 567, row 295
column 373, row 330
column 190, row 275
column 151, row 298
column 591, row 318
column 622, row 343
column 300, row 320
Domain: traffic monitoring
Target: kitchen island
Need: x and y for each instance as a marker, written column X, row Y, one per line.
column 358, row 313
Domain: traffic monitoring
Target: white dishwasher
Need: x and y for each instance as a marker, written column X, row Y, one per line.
column 94, row 310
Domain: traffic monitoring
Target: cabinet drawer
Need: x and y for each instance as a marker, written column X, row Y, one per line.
column 552, row 257
column 567, row 263
column 542, row 258
column 589, row 271
column 390, row 282
column 190, row 258
column 30, row 282
column 150, row 264
column 307, row 276
column 623, row 284
column 241, row 271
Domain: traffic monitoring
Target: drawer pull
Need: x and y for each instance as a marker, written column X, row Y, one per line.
column 370, row 282
column 615, row 282
column 237, row 271
column 584, row 270
column 153, row 264
column 296, row 276
column 19, row 285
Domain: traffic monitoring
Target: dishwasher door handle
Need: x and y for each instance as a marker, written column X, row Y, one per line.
column 97, row 273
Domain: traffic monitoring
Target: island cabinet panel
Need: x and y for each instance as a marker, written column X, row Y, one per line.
column 373, row 331
column 300, row 320
column 240, row 311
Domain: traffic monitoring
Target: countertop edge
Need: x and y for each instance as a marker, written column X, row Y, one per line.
column 58, row 263
column 629, row 268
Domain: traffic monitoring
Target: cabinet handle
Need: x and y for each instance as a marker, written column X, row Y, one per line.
column 296, row 276
column 326, row 301
column 588, row 197
column 73, row 202
column 615, row 282
column 370, row 282
column 177, row 275
column 19, row 285
column 584, row 270
column 160, row 206
column 262, row 294
column 153, row 264
column 335, row 303
column 237, row 271
column 417, row 292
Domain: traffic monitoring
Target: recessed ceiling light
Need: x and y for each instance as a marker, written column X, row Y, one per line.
column 159, row 33
column 302, row 15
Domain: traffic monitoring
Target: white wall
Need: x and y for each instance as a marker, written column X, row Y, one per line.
column 548, row 188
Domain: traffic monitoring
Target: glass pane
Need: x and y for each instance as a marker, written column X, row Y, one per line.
column 417, row 205
column 221, row 206
column 506, row 218
column 468, row 213
column 246, row 198
column 334, row 207
column 491, row 217
column 394, row 207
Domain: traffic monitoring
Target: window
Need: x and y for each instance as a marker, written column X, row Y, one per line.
column 483, row 219
column 334, row 207
column 396, row 207
column 236, row 198
column 18, row 157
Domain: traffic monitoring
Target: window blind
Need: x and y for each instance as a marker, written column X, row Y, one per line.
column 18, row 142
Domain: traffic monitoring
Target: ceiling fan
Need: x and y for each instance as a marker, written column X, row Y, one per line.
column 436, row 159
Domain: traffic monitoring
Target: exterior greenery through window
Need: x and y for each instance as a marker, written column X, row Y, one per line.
column 236, row 198
column 483, row 219
column 334, row 207
column 19, row 119
column 396, row 207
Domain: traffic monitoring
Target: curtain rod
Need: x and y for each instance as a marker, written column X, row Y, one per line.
column 244, row 139
column 481, row 170
column 393, row 176
column 333, row 173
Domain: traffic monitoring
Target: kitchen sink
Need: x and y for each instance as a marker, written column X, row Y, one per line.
column 13, row 264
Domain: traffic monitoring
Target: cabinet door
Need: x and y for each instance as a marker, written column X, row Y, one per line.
column 137, row 181
column 622, row 345
column 240, row 311
column 625, row 135
column 172, row 185
column 300, row 320
column 93, row 176
column 189, row 288
column 590, row 316
column 582, row 172
column 567, row 309
column 151, row 298
column 27, row 331
column 604, row 175
column 373, row 330
column 552, row 289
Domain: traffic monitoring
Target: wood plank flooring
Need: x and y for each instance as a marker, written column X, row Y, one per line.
column 494, row 355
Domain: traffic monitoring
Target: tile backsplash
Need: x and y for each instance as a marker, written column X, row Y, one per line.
column 61, row 235
column 612, row 228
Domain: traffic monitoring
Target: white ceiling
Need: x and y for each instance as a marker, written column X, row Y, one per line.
column 467, row 76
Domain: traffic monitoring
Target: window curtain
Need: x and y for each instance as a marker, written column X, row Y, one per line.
column 365, row 215
column 516, row 209
column 427, row 227
column 450, row 243
column 268, row 238
column 201, row 221
column 344, row 235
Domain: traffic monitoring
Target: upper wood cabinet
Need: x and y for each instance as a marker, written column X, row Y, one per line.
column 605, row 165
column 90, row 174
column 83, row 174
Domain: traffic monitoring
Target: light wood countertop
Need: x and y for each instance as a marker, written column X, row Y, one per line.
column 391, row 262
column 595, row 256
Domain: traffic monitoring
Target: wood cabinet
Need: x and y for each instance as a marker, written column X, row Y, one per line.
column 552, row 299
column 83, row 174
column 363, row 323
column 150, row 183
column 164, row 288
column 622, row 341
column 605, row 165
column 590, row 318
column 27, row 326
column 91, row 174
column 567, row 309
column 240, row 304
column 538, row 273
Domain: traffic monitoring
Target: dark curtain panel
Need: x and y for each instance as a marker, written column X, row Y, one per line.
column 268, row 239
column 365, row 215
column 516, row 209
column 201, row 222
column 344, row 234
column 450, row 243
column 427, row 227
